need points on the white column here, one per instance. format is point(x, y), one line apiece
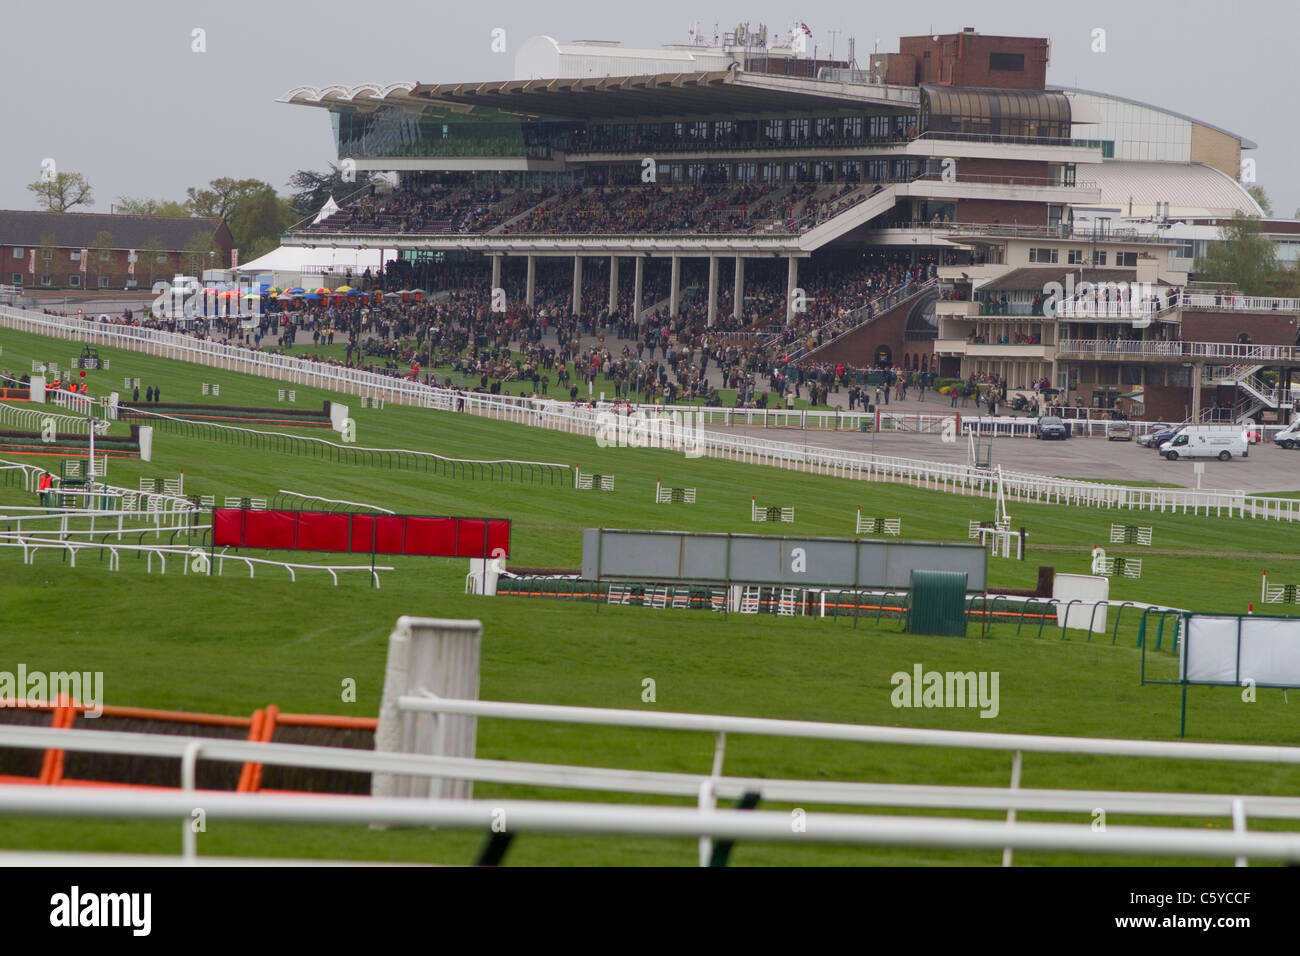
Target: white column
point(638, 275)
point(674, 292)
point(738, 294)
point(530, 292)
point(713, 291)
point(496, 273)
point(791, 283)
point(577, 285)
point(613, 284)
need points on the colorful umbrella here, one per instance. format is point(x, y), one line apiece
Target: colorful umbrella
point(297, 290)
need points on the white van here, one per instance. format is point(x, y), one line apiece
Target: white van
point(1207, 441)
point(1289, 437)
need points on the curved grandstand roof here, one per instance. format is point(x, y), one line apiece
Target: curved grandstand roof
point(667, 94)
point(1245, 143)
point(1191, 189)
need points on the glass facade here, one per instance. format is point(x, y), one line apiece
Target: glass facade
point(1139, 132)
point(392, 132)
point(1019, 113)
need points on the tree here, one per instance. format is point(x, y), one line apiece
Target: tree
point(1257, 193)
point(311, 189)
point(128, 206)
point(223, 195)
point(198, 251)
point(62, 191)
point(257, 222)
point(149, 253)
point(102, 250)
point(45, 257)
point(1241, 256)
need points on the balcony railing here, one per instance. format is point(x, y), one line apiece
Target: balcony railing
point(1039, 181)
point(1155, 348)
point(1065, 142)
point(1017, 231)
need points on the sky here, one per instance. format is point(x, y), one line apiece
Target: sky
point(116, 91)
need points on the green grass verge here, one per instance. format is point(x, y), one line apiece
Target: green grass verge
point(232, 644)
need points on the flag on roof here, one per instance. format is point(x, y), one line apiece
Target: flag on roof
point(804, 27)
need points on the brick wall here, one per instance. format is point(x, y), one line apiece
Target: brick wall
point(1264, 328)
point(1004, 212)
point(963, 59)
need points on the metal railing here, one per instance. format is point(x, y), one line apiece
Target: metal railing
point(544, 413)
point(703, 822)
point(1227, 352)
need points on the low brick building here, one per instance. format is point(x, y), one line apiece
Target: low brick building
point(79, 250)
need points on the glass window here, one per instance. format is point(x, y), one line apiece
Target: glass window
point(18, 252)
point(16, 278)
point(47, 280)
point(74, 281)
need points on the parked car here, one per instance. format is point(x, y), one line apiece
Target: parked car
point(1289, 437)
point(1119, 431)
point(1158, 434)
point(1051, 426)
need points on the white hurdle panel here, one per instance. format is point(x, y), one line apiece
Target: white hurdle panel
point(1109, 566)
point(366, 402)
point(770, 513)
point(667, 496)
point(1130, 534)
point(1278, 593)
point(750, 597)
point(788, 605)
point(592, 482)
point(887, 526)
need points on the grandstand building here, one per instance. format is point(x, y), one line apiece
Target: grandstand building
point(746, 166)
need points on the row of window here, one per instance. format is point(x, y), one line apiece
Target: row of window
point(74, 280)
point(75, 255)
point(876, 170)
point(1079, 257)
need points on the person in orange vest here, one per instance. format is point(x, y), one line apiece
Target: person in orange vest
point(43, 488)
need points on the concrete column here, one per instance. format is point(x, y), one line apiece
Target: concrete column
point(791, 283)
point(738, 293)
point(577, 285)
point(496, 272)
point(531, 288)
point(713, 291)
point(1196, 392)
point(638, 275)
point(675, 289)
point(613, 284)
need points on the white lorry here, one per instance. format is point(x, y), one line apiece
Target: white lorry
point(1223, 442)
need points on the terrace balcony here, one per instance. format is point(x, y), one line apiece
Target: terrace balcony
point(1176, 350)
